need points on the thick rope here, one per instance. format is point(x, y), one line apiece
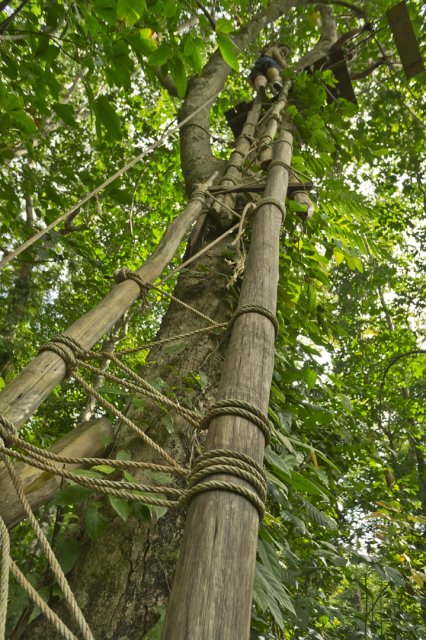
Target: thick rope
point(277, 203)
point(228, 462)
point(256, 308)
point(4, 575)
point(241, 408)
point(107, 405)
point(50, 556)
point(34, 451)
point(40, 603)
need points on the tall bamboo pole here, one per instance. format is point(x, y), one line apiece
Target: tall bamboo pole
point(212, 591)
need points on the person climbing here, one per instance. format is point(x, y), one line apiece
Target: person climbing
point(267, 68)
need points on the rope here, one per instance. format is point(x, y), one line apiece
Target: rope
point(50, 556)
point(254, 308)
point(34, 451)
point(229, 179)
point(233, 463)
point(277, 203)
point(179, 336)
point(40, 603)
point(120, 488)
point(126, 274)
point(4, 574)
point(241, 408)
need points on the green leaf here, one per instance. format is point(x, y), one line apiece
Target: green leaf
point(178, 74)
point(95, 522)
point(107, 117)
point(130, 10)
point(224, 26)
point(175, 347)
point(300, 483)
point(227, 49)
point(67, 552)
point(104, 468)
point(66, 113)
point(120, 506)
point(160, 56)
point(26, 123)
point(72, 494)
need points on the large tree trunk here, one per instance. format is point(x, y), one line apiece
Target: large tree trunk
point(124, 578)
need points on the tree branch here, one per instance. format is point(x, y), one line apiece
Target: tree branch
point(166, 81)
point(197, 159)
point(11, 18)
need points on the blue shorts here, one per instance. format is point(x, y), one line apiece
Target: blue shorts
point(262, 65)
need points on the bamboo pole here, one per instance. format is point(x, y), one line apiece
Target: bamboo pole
point(22, 396)
point(212, 591)
point(86, 440)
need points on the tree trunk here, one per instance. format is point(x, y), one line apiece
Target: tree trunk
point(123, 580)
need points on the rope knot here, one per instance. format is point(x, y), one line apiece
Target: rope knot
point(69, 355)
point(127, 274)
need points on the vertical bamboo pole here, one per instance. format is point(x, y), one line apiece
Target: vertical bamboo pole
point(212, 591)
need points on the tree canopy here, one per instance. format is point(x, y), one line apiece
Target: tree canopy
point(86, 87)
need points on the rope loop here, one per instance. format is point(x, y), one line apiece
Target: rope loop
point(230, 179)
point(247, 136)
point(277, 203)
point(241, 408)
point(233, 463)
point(279, 163)
point(7, 429)
point(255, 308)
point(127, 274)
point(197, 194)
point(69, 356)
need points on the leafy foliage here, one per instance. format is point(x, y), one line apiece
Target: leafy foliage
point(341, 550)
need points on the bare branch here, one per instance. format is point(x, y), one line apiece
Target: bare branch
point(166, 81)
point(207, 14)
point(327, 39)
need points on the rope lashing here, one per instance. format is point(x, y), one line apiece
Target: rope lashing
point(128, 274)
point(280, 163)
point(228, 462)
point(230, 179)
point(70, 355)
point(242, 409)
point(247, 136)
point(277, 203)
point(197, 194)
point(238, 152)
point(256, 308)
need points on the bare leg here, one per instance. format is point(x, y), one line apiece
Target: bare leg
point(274, 78)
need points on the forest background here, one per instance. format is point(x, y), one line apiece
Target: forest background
point(86, 87)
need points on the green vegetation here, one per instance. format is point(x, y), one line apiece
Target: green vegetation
point(83, 89)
